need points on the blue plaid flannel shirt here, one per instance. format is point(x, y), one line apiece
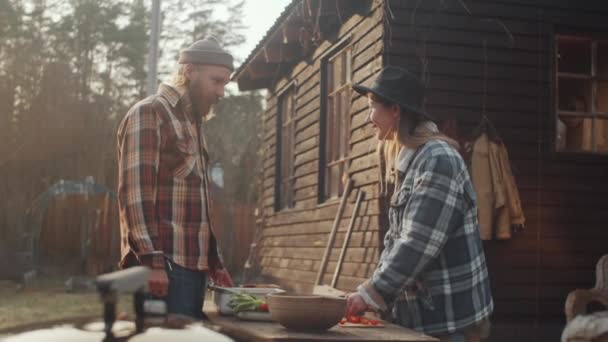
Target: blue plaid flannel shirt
point(432, 272)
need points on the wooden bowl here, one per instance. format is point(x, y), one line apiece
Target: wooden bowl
point(306, 312)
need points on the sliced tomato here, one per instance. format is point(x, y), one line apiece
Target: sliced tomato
point(374, 322)
point(354, 319)
point(364, 321)
point(343, 321)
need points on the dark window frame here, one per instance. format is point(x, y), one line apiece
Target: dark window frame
point(285, 149)
point(592, 76)
point(334, 147)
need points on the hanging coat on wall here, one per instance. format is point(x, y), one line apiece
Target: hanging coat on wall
point(497, 195)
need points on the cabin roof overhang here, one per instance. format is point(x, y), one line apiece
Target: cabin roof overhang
point(302, 26)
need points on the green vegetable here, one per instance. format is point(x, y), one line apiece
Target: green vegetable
point(245, 302)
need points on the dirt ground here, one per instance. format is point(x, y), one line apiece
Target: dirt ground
point(45, 299)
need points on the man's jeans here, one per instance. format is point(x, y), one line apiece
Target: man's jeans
point(186, 293)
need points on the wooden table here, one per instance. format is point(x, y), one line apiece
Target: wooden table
point(273, 332)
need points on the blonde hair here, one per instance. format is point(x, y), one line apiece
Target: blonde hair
point(412, 133)
point(179, 79)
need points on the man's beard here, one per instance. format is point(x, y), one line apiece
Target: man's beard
point(200, 109)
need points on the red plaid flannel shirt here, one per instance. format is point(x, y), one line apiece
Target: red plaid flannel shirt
point(163, 186)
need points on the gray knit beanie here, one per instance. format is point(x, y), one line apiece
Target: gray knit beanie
point(206, 51)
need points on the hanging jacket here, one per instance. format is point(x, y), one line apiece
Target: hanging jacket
point(499, 203)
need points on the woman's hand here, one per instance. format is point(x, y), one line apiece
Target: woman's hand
point(355, 304)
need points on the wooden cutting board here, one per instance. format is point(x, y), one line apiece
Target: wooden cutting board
point(359, 325)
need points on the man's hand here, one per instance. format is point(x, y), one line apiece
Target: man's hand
point(221, 277)
point(158, 282)
point(355, 304)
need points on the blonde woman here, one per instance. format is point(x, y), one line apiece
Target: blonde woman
point(432, 274)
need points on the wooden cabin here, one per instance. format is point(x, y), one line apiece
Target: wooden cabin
point(538, 69)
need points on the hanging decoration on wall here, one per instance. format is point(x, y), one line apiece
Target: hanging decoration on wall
point(500, 212)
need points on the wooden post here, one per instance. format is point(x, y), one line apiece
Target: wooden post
point(349, 232)
point(334, 230)
point(153, 49)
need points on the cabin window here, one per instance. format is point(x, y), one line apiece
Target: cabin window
point(335, 123)
point(582, 94)
point(284, 192)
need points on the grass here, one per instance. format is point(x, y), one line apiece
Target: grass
point(46, 299)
